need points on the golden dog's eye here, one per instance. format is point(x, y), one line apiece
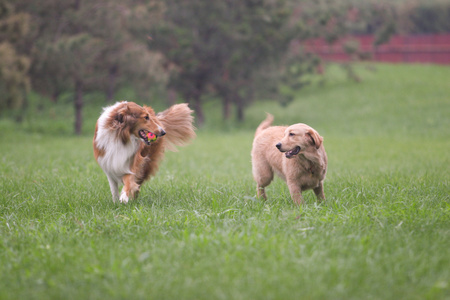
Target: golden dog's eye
point(147, 118)
point(291, 134)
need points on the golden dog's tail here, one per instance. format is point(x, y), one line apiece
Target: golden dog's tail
point(177, 122)
point(264, 124)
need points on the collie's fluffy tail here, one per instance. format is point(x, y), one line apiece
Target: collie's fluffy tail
point(177, 122)
point(264, 124)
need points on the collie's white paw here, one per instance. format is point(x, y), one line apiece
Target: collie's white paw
point(123, 197)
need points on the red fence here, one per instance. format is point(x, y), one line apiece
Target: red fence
point(433, 48)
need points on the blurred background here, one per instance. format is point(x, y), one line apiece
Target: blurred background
point(62, 61)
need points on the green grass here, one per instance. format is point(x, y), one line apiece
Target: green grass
point(198, 232)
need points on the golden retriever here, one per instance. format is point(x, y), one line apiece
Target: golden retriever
point(130, 140)
point(295, 153)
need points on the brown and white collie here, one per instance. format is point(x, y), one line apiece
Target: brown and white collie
point(124, 150)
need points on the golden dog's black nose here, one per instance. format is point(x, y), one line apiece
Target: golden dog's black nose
point(162, 132)
point(278, 145)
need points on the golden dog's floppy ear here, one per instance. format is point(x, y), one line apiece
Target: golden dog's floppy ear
point(315, 137)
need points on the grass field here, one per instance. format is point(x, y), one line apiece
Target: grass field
point(198, 232)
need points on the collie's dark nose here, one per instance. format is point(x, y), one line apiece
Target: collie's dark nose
point(278, 145)
point(162, 132)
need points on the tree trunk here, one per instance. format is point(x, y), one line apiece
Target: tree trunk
point(199, 111)
point(55, 96)
point(226, 107)
point(239, 109)
point(78, 106)
point(242, 102)
point(112, 79)
point(24, 109)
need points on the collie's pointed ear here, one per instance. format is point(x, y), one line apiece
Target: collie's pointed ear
point(121, 114)
point(149, 110)
point(315, 138)
point(120, 117)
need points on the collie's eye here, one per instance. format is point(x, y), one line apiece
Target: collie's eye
point(147, 118)
point(291, 134)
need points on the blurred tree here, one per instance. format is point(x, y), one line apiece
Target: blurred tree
point(123, 26)
point(219, 46)
point(14, 80)
point(333, 20)
point(187, 38)
point(66, 52)
point(258, 36)
point(53, 45)
point(78, 55)
point(424, 17)
point(83, 46)
point(241, 49)
point(236, 50)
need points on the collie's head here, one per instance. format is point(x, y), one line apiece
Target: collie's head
point(129, 119)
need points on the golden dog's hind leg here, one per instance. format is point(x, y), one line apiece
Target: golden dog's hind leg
point(263, 176)
point(130, 189)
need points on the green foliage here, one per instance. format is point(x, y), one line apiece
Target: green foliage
point(379, 17)
point(219, 46)
point(14, 81)
point(198, 232)
point(87, 41)
point(84, 46)
point(425, 17)
point(14, 66)
point(236, 51)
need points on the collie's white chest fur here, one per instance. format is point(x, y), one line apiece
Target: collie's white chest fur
point(118, 156)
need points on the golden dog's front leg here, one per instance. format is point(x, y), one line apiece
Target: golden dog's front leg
point(319, 192)
point(130, 189)
point(296, 192)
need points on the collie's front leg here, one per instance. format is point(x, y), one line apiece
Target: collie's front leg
point(130, 189)
point(114, 186)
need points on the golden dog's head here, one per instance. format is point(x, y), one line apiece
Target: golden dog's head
point(132, 119)
point(298, 138)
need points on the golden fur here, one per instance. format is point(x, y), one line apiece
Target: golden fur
point(122, 152)
point(300, 160)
